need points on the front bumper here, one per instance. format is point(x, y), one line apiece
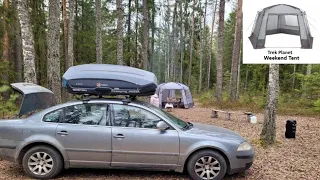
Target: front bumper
point(241, 162)
point(7, 154)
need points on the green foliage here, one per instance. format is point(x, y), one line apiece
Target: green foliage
point(317, 105)
point(7, 106)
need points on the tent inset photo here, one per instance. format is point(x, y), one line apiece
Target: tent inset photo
point(281, 18)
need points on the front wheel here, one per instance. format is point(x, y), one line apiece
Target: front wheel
point(207, 165)
point(42, 162)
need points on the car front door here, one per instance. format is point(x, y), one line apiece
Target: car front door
point(136, 142)
point(86, 135)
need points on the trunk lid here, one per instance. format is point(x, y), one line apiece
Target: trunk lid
point(35, 97)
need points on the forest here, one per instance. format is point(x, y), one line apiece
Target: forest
point(190, 41)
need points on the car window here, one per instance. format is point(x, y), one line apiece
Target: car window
point(180, 123)
point(129, 116)
point(90, 114)
point(54, 116)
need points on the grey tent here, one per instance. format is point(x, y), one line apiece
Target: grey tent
point(281, 18)
point(170, 89)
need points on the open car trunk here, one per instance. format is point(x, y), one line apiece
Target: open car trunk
point(35, 97)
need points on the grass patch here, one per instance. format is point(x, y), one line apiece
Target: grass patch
point(287, 104)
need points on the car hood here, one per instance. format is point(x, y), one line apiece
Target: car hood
point(214, 131)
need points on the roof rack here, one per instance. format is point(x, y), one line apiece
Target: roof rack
point(126, 100)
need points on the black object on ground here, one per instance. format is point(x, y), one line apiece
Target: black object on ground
point(291, 129)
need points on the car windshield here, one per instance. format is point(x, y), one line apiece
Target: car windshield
point(180, 123)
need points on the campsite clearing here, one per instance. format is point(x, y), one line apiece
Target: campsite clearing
point(288, 159)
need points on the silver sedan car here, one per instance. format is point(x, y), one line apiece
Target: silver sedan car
point(113, 133)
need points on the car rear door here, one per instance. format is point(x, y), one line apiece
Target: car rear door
point(137, 143)
point(86, 135)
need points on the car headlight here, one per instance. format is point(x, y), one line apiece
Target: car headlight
point(245, 146)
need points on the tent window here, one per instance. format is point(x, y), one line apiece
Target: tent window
point(291, 20)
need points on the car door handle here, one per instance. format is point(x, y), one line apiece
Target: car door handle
point(121, 136)
point(63, 133)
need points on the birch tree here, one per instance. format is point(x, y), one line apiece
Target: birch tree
point(268, 133)
point(309, 69)
point(191, 44)
point(54, 81)
point(29, 69)
point(236, 54)
point(120, 32)
point(181, 42)
point(202, 49)
point(145, 36)
point(98, 32)
point(220, 50)
point(211, 43)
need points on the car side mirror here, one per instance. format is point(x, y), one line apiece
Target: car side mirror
point(162, 126)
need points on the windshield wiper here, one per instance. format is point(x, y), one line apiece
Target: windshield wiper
point(188, 126)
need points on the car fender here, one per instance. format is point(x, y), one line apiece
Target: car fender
point(202, 145)
point(41, 139)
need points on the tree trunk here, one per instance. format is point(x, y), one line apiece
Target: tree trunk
point(169, 42)
point(309, 69)
point(238, 80)
point(65, 33)
point(247, 76)
point(294, 76)
point(220, 50)
point(120, 33)
point(153, 29)
point(5, 55)
point(54, 82)
point(27, 43)
point(211, 44)
point(202, 49)
point(268, 133)
point(137, 32)
point(145, 36)
point(173, 42)
point(17, 44)
point(70, 33)
point(191, 45)
point(98, 32)
point(236, 53)
point(128, 62)
point(181, 43)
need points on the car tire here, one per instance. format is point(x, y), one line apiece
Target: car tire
point(207, 161)
point(42, 162)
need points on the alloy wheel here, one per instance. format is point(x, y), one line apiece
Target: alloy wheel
point(40, 163)
point(207, 167)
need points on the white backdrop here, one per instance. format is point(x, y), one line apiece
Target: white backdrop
point(283, 42)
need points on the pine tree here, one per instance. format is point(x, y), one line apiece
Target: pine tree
point(54, 80)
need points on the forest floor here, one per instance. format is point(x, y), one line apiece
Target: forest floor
point(288, 159)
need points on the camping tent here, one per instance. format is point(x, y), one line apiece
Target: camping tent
point(281, 18)
point(168, 90)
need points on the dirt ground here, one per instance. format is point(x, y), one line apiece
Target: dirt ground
point(289, 159)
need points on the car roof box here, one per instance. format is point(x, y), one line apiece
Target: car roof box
point(107, 79)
